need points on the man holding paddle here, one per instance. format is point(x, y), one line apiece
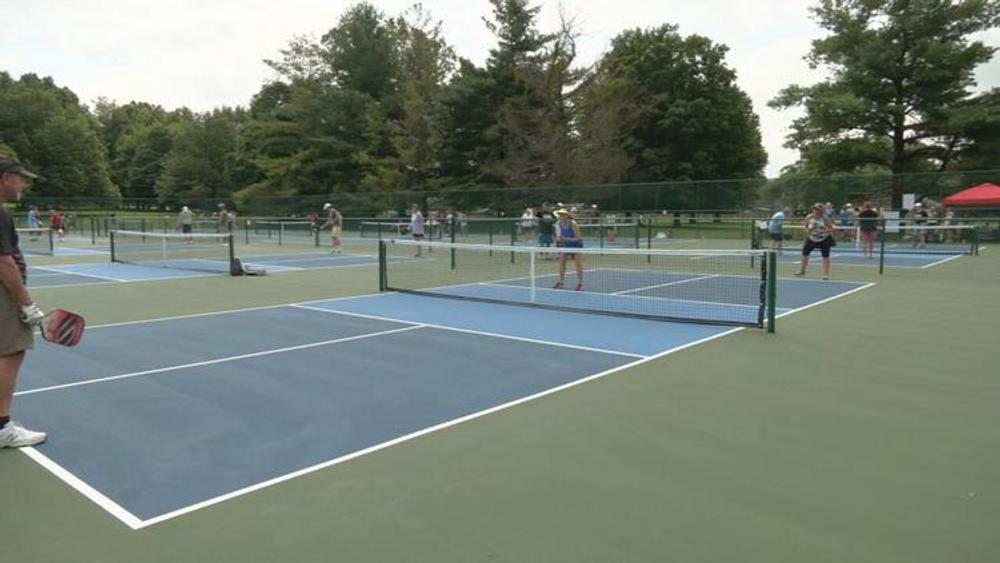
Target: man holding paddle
point(18, 313)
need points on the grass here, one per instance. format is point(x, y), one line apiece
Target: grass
point(864, 430)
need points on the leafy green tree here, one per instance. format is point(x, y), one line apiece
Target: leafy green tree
point(124, 129)
point(200, 162)
point(494, 115)
point(53, 134)
point(683, 115)
point(900, 70)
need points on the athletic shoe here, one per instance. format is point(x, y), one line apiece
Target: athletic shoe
point(14, 436)
point(799, 274)
point(558, 285)
point(579, 287)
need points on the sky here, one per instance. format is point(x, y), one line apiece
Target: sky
point(203, 54)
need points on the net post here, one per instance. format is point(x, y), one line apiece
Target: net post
point(232, 248)
point(381, 265)
point(246, 231)
point(772, 289)
point(315, 233)
point(281, 233)
point(975, 240)
point(531, 273)
point(451, 237)
point(881, 248)
point(111, 235)
point(513, 239)
point(93, 230)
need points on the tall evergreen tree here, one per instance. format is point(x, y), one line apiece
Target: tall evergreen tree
point(900, 69)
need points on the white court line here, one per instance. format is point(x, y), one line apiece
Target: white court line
point(948, 259)
point(38, 287)
point(471, 331)
point(86, 490)
point(314, 258)
point(232, 311)
point(678, 282)
point(584, 292)
point(70, 272)
point(827, 300)
point(215, 361)
point(418, 433)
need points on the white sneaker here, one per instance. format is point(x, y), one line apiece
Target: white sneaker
point(14, 436)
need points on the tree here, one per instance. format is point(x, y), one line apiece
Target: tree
point(123, 130)
point(900, 70)
point(200, 163)
point(424, 61)
point(498, 128)
point(54, 136)
point(682, 115)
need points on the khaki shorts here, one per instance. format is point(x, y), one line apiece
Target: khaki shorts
point(15, 336)
point(335, 231)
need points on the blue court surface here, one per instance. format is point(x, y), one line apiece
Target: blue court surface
point(155, 419)
point(89, 274)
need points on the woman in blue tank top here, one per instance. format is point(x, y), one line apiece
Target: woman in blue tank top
point(568, 236)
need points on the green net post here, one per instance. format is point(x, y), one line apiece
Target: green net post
point(513, 239)
point(93, 230)
point(772, 289)
point(637, 234)
point(142, 224)
point(381, 265)
point(881, 248)
point(281, 234)
point(975, 241)
point(111, 236)
point(452, 251)
point(232, 247)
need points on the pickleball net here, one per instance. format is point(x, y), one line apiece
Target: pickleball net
point(724, 287)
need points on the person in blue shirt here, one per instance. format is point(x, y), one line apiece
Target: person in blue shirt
point(568, 236)
point(775, 228)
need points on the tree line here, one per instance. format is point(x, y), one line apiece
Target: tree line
point(383, 103)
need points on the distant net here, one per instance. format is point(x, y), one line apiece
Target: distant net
point(911, 239)
point(886, 237)
point(433, 230)
point(733, 287)
point(284, 232)
point(35, 241)
point(595, 234)
point(202, 252)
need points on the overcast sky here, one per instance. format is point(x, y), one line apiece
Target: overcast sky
point(203, 53)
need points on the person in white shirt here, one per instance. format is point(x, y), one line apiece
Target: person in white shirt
point(417, 225)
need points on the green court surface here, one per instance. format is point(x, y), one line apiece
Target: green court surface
point(867, 429)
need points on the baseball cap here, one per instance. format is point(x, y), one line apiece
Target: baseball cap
point(327, 206)
point(11, 166)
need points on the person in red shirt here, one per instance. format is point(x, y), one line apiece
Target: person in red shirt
point(57, 224)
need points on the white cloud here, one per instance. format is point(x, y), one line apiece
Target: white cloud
point(206, 54)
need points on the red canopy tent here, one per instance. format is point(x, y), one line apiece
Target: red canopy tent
point(984, 195)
